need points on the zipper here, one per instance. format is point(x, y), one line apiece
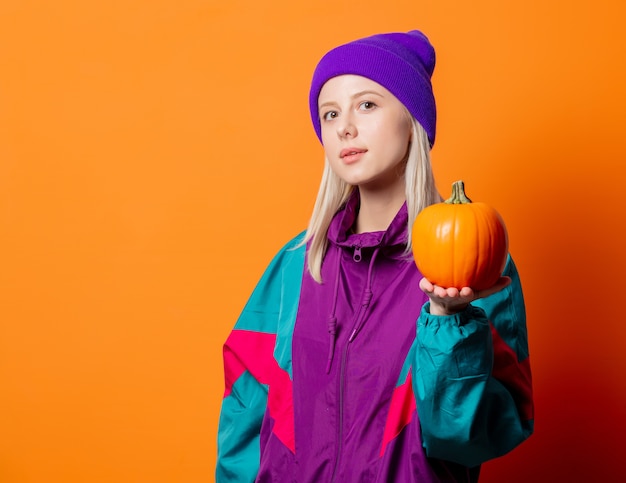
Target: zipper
point(342, 371)
point(358, 319)
point(344, 358)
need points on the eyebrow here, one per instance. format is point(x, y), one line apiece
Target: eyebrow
point(354, 96)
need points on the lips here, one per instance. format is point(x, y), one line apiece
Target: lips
point(350, 155)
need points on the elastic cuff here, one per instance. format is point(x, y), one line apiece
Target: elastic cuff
point(470, 313)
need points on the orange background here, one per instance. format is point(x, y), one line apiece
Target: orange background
point(155, 154)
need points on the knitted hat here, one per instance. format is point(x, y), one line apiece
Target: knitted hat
point(403, 63)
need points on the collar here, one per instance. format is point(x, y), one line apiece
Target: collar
point(340, 234)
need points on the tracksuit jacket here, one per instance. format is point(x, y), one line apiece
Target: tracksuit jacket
point(353, 380)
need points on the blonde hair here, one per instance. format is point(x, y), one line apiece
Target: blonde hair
point(333, 193)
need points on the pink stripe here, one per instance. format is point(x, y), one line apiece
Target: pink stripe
point(254, 351)
point(513, 374)
point(401, 412)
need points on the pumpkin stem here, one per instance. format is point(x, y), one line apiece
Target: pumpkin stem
point(458, 194)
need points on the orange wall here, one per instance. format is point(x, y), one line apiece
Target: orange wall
point(155, 154)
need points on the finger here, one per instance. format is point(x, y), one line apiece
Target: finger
point(426, 286)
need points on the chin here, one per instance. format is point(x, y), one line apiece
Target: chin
point(354, 179)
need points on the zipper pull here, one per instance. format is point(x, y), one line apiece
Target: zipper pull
point(357, 253)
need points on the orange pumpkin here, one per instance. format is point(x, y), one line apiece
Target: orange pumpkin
point(459, 244)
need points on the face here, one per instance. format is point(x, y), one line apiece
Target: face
point(365, 132)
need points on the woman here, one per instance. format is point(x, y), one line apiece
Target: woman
point(346, 364)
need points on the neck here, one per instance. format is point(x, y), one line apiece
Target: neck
point(378, 209)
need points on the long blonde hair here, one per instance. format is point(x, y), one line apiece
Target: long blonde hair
point(333, 192)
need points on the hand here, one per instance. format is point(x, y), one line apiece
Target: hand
point(448, 301)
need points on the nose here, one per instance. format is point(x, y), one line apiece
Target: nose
point(346, 127)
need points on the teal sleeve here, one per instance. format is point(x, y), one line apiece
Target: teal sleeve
point(239, 431)
point(467, 414)
point(258, 348)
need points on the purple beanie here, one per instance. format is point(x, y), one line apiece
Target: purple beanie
point(403, 63)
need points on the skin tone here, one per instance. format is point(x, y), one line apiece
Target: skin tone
point(366, 133)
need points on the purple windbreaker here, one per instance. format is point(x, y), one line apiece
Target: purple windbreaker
point(360, 359)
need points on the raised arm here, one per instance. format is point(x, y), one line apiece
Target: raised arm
point(473, 384)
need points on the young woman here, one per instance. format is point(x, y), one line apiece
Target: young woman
point(346, 364)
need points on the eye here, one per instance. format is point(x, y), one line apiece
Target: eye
point(327, 116)
point(367, 105)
